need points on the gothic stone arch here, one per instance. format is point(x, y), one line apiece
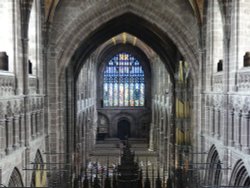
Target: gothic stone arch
point(15, 179)
point(214, 173)
point(240, 175)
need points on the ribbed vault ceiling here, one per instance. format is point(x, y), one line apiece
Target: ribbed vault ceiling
point(126, 38)
point(50, 8)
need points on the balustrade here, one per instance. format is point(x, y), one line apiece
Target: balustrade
point(7, 84)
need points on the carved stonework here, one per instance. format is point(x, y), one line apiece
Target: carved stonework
point(38, 103)
point(21, 107)
point(231, 103)
point(221, 100)
point(212, 101)
point(217, 102)
point(1, 111)
point(42, 103)
point(218, 82)
point(246, 106)
point(9, 109)
point(7, 83)
point(238, 103)
point(33, 105)
point(16, 108)
point(30, 105)
point(207, 100)
point(244, 80)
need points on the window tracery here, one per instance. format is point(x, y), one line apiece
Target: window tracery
point(124, 83)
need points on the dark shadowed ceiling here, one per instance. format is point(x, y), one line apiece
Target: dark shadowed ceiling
point(50, 7)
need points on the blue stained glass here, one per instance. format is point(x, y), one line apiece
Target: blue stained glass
point(123, 81)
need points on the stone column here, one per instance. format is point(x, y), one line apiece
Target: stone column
point(245, 136)
point(33, 125)
point(231, 133)
point(9, 134)
point(16, 132)
point(239, 139)
point(21, 130)
point(161, 145)
point(211, 121)
point(151, 132)
point(153, 112)
point(151, 137)
point(237, 130)
point(207, 122)
point(218, 117)
point(2, 137)
point(37, 123)
point(42, 122)
point(216, 123)
point(27, 127)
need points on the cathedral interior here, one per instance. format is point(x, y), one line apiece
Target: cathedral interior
point(125, 93)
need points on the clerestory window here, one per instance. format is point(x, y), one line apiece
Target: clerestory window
point(124, 84)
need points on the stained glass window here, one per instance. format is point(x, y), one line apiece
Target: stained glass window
point(123, 81)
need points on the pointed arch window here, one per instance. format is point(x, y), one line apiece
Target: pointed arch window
point(124, 84)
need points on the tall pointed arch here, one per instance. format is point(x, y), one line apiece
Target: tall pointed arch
point(15, 179)
point(240, 175)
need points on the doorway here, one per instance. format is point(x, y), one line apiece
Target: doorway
point(123, 129)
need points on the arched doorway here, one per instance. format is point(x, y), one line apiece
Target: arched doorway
point(123, 129)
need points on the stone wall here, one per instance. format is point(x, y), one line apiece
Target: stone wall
point(161, 124)
point(86, 119)
point(22, 99)
point(226, 97)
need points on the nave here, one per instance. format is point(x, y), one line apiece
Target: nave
point(160, 88)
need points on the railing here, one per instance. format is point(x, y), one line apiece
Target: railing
point(7, 83)
point(218, 81)
point(32, 84)
point(243, 82)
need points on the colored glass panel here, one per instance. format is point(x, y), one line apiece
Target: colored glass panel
point(123, 81)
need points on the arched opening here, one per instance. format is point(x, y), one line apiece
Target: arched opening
point(39, 175)
point(160, 60)
point(240, 175)
point(214, 172)
point(123, 129)
point(15, 179)
point(83, 59)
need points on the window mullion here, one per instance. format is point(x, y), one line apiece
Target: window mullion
point(124, 82)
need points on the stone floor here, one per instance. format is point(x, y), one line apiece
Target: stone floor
point(112, 150)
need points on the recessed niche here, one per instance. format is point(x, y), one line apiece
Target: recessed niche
point(4, 61)
point(220, 65)
point(247, 59)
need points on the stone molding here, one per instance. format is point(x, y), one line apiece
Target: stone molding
point(243, 82)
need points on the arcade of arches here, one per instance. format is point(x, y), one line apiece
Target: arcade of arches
point(87, 86)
